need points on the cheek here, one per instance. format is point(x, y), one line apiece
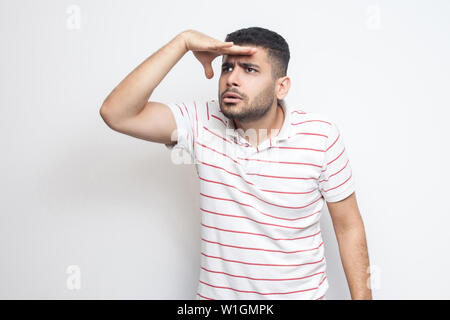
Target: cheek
point(221, 87)
point(222, 82)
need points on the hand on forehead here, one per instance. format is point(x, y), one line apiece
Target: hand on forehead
point(258, 58)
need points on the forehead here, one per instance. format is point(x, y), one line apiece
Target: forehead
point(259, 58)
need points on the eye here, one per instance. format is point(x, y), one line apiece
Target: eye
point(225, 69)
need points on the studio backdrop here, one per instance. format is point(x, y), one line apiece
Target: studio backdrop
point(89, 213)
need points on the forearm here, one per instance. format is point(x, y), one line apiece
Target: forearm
point(355, 260)
point(130, 96)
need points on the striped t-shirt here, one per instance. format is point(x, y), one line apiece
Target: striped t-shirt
point(260, 206)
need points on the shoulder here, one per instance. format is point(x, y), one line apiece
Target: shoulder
point(319, 127)
point(302, 119)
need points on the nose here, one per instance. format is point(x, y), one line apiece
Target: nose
point(233, 78)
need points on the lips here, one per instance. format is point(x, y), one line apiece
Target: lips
point(231, 98)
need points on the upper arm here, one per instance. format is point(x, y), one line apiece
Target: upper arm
point(154, 123)
point(345, 213)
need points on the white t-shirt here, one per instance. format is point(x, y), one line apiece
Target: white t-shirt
point(260, 206)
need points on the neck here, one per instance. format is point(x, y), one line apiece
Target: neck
point(256, 132)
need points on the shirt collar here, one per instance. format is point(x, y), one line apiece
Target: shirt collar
point(283, 134)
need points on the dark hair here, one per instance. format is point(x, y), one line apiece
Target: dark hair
point(277, 47)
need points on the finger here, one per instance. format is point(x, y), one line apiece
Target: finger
point(239, 50)
point(209, 73)
point(221, 45)
point(242, 48)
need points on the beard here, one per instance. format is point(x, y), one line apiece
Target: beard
point(246, 111)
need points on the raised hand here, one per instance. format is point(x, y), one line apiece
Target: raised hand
point(206, 49)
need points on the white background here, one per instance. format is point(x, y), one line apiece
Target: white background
point(75, 192)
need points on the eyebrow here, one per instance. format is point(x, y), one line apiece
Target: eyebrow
point(242, 64)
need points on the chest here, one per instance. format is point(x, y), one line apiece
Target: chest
point(289, 166)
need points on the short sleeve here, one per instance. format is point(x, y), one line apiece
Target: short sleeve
point(336, 181)
point(184, 114)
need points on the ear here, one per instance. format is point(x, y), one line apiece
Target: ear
point(282, 87)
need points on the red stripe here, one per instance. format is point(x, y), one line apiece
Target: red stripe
point(266, 214)
point(218, 167)
point(297, 111)
point(294, 124)
point(180, 110)
point(334, 142)
point(260, 234)
point(250, 183)
point(335, 173)
point(263, 264)
point(258, 292)
point(242, 145)
point(314, 134)
point(298, 148)
point(288, 192)
point(283, 162)
point(214, 116)
point(217, 135)
point(279, 177)
point(186, 110)
point(204, 297)
point(260, 249)
point(250, 194)
point(225, 155)
point(336, 157)
point(207, 109)
point(269, 224)
point(250, 278)
point(338, 185)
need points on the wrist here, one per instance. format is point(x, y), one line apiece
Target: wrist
point(181, 41)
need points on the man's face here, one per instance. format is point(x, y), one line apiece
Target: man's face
point(250, 77)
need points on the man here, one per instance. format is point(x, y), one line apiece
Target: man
point(265, 168)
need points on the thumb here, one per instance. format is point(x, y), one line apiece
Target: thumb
point(209, 73)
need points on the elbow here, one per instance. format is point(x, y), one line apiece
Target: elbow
point(103, 111)
point(105, 114)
